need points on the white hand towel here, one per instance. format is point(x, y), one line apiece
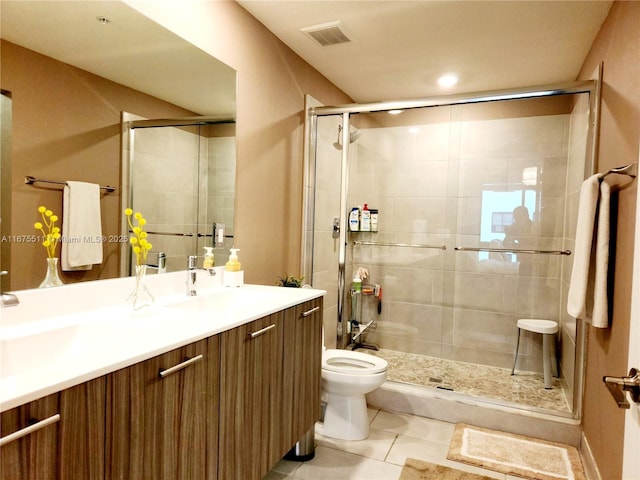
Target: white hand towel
point(587, 298)
point(81, 226)
point(600, 314)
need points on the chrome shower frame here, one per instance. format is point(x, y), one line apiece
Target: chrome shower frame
point(592, 87)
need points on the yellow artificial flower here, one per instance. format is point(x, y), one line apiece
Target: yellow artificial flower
point(51, 235)
point(140, 246)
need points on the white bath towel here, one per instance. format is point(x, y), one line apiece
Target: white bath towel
point(81, 226)
point(587, 298)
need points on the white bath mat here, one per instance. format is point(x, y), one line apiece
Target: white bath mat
point(517, 455)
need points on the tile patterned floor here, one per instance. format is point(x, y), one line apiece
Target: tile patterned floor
point(392, 439)
point(524, 388)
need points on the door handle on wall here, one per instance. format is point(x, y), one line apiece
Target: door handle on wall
point(619, 385)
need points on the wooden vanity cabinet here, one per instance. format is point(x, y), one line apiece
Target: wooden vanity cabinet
point(269, 389)
point(33, 456)
point(223, 408)
point(250, 398)
point(302, 363)
point(70, 447)
point(162, 416)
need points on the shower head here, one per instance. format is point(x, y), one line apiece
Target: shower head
point(353, 136)
point(337, 145)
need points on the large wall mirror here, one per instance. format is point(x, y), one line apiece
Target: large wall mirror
point(69, 71)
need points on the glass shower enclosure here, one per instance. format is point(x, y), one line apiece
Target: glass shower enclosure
point(476, 199)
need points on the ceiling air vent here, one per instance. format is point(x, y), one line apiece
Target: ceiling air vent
point(327, 34)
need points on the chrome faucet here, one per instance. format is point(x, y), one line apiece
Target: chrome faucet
point(7, 299)
point(192, 271)
point(161, 263)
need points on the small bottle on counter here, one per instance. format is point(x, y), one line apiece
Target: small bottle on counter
point(233, 274)
point(209, 259)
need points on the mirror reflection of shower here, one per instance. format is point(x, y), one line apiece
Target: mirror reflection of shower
point(353, 136)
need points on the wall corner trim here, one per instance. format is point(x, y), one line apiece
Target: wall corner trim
point(588, 461)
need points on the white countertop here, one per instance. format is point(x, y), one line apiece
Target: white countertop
point(60, 337)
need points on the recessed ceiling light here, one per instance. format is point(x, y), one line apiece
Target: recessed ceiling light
point(448, 80)
point(394, 112)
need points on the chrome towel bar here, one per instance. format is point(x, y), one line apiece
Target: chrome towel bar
point(512, 250)
point(410, 245)
point(29, 180)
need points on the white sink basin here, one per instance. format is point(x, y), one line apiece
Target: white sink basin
point(23, 350)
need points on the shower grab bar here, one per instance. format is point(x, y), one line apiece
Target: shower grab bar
point(512, 250)
point(410, 245)
point(29, 180)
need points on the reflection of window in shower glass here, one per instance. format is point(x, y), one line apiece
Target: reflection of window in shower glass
point(497, 213)
point(499, 220)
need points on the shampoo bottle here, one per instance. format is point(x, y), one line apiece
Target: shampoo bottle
point(356, 284)
point(354, 219)
point(365, 219)
point(209, 260)
point(374, 219)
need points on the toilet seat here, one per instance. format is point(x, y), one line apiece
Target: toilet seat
point(353, 363)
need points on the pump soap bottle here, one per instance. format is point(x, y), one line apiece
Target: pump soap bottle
point(233, 275)
point(209, 259)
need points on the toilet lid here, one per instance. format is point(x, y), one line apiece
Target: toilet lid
point(354, 363)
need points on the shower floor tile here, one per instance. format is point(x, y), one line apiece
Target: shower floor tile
point(523, 388)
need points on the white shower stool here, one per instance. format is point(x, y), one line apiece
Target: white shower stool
point(548, 329)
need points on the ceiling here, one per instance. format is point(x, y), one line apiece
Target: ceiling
point(126, 49)
point(399, 49)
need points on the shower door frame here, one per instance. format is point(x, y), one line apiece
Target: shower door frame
point(591, 87)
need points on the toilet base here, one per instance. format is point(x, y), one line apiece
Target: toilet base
point(345, 417)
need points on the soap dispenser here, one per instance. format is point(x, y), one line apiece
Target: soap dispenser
point(233, 275)
point(233, 265)
point(209, 259)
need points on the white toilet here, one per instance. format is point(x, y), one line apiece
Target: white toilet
point(346, 378)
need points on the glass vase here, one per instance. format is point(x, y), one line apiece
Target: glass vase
point(140, 297)
point(52, 279)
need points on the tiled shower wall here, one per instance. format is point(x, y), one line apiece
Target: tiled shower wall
point(428, 187)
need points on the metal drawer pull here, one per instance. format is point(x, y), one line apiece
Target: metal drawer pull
point(29, 430)
point(180, 366)
point(262, 331)
point(309, 312)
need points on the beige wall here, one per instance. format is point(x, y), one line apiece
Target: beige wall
point(618, 46)
point(272, 82)
point(66, 126)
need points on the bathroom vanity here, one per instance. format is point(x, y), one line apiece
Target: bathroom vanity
point(218, 386)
